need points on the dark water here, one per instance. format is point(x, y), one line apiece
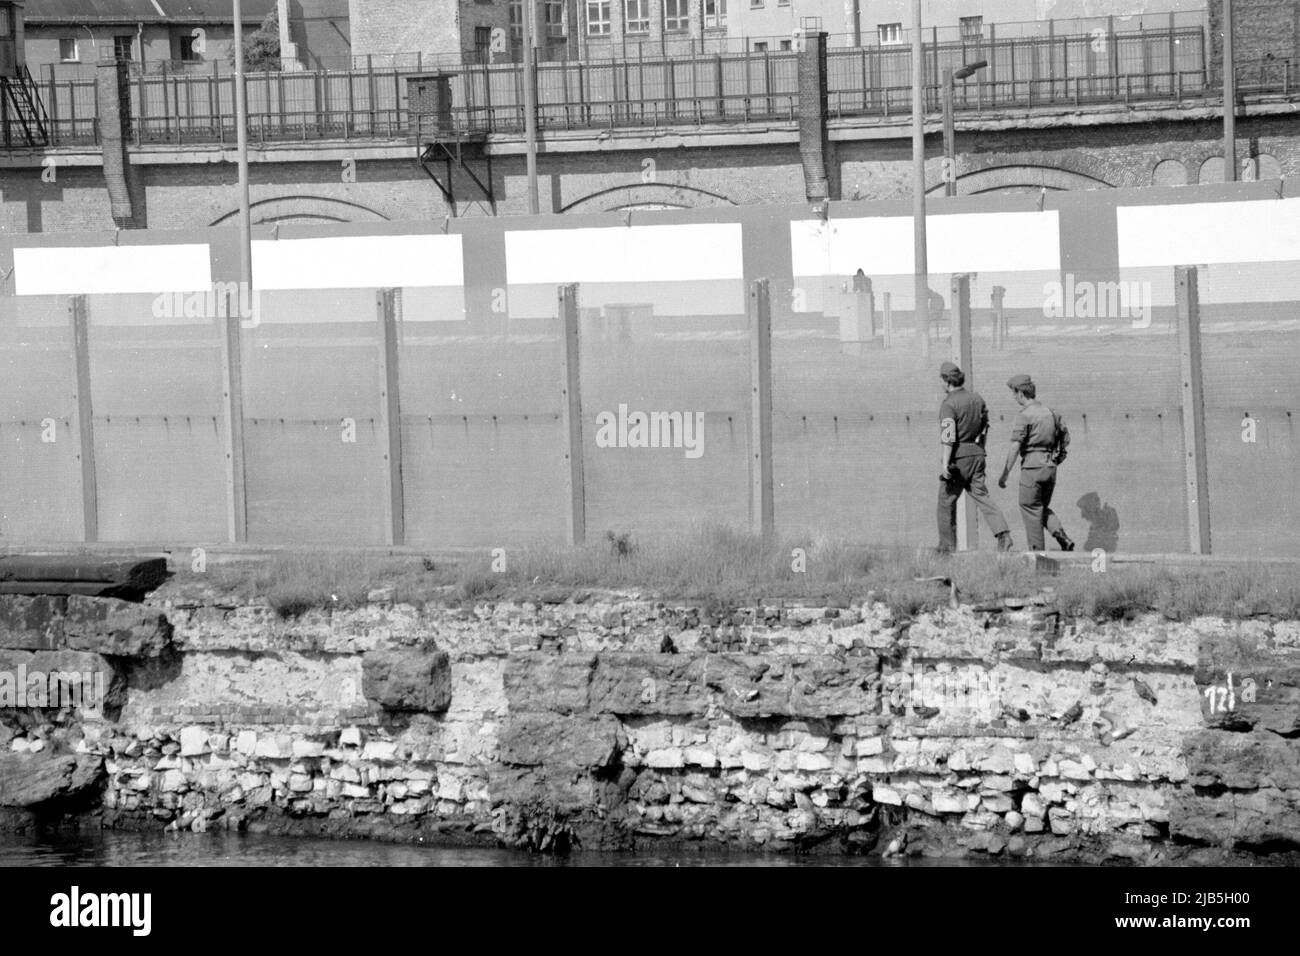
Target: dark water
point(227, 849)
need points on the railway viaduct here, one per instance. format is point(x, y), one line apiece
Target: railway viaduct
point(1060, 141)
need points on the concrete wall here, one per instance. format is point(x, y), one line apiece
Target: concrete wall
point(852, 430)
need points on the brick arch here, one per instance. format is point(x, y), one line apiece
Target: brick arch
point(304, 209)
point(1021, 178)
point(647, 195)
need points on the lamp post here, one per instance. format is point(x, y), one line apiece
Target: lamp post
point(949, 124)
point(241, 148)
point(1229, 99)
point(529, 15)
point(920, 267)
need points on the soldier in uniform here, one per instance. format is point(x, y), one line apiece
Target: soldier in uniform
point(1035, 439)
point(963, 425)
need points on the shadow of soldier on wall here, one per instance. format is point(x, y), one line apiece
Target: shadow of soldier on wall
point(1103, 523)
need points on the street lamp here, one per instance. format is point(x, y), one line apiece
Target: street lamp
point(920, 265)
point(949, 126)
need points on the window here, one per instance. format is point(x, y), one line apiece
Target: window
point(483, 44)
point(516, 21)
point(122, 46)
point(636, 16)
point(783, 3)
point(760, 46)
point(755, 4)
point(553, 13)
point(6, 22)
point(715, 13)
point(890, 32)
point(677, 16)
point(185, 51)
point(68, 51)
point(972, 28)
point(785, 44)
point(597, 18)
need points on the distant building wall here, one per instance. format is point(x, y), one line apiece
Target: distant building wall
point(321, 29)
point(1262, 29)
point(400, 26)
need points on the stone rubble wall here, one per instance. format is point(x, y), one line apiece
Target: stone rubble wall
point(623, 721)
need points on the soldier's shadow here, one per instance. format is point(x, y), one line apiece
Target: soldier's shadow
point(1103, 523)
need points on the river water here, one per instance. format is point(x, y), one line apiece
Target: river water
point(227, 849)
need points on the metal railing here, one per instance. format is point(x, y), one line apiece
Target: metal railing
point(199, 108)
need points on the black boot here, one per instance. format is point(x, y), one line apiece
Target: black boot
point(1005, 543)
point(1064, 541)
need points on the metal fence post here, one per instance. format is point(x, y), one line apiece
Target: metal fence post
point(85, 423)
point(1187, 299)
point(232, 408)
point(761, 510)
point(388, 305)
point(568, 295)
point(967, 530)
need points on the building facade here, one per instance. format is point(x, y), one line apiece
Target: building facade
point(463, 30)
point(176, 34)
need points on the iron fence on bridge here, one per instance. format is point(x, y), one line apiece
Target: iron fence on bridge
point(1023, 72)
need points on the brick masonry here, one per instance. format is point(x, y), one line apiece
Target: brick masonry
point(201, 193)
point(1262, 29)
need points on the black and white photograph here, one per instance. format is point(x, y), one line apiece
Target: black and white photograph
point(666, 436)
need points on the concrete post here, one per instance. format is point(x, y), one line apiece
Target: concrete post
point(1187, 300)
point(999, 316)
point(85, 423)
point(387, 305)
point(577, 531)
point(760, 420)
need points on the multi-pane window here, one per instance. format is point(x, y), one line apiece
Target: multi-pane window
point(760, 46)
point(68, 51)
point(636, 16)
point(715, 13)
point(6, 22)
point(972, 28)
point(122, 46)
point(785, 44)
point(597, 18)
point(517, 21)
point(677, 16)
point(890, 32)
point(554, 14)
point(755, 4)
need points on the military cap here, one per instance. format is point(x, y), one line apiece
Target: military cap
point(1019, 381)
point(948, 368)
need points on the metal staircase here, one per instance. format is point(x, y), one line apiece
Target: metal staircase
point(23, 118)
